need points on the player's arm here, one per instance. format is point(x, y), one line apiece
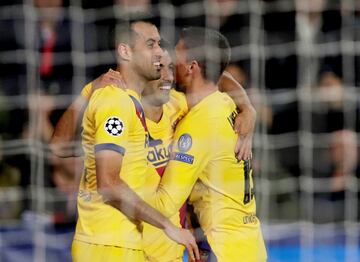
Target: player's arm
point(245, 121)
point(191, 153)
point(119, 195)
point(63, 141)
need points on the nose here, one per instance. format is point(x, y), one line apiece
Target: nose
point(167, 75)
point(158, 51)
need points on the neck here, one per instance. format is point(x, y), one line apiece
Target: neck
point(152, 112)
point(132, 79)
point(198, 90)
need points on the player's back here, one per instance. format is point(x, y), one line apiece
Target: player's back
point(223, 196)
point(111, 122)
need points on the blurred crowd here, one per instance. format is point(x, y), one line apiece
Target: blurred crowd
point(296, 59)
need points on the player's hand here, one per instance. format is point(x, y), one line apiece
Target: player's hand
point(111, 77)
point(184, 237)
point(244, 126)
point(243, 148)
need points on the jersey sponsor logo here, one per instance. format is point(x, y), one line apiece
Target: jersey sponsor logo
point(184, 143)
point(183, 158)
point(158, 155)
point(114, 126)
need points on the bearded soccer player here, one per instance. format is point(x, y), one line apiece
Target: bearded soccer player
point(164, 107)
point(114, 140)
point(202, 163)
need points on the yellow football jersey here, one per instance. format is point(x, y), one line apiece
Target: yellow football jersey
point(203, 163)
point(86, 91)
point(157, 246)
point(113, 120)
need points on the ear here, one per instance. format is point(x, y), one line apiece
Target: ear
point(124, 51)
point(193, 67)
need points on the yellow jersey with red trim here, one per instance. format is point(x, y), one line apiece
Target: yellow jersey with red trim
point(203, 165)
point(113, 120)
point(157, 246)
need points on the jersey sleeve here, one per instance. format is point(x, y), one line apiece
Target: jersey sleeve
point(112, 114)
point(86, 91)
point(190, 155)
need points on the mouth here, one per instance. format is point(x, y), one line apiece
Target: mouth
point(157, 65)
point(165, 87)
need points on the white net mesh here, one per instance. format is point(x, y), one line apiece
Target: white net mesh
point(299, 61)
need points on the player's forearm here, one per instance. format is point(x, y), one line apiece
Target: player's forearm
point(235, 90)
point(63, 142)
point(247, 112)
point(247, 116)
point(128, 202)
point(168, 204)
point(118, 194)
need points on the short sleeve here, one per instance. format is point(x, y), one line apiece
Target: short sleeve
point(86, 91)
point(113, 112)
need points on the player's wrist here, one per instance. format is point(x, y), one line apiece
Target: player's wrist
point(167, 225)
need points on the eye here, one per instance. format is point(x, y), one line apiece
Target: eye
point(150, 44)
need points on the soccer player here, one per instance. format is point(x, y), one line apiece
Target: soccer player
point(163, 107)
point(114, 140)
point(203, 164)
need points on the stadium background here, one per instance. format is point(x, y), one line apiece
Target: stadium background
point(298, 60)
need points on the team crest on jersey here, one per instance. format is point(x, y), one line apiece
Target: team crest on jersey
point(114, 126)
point(184, 143)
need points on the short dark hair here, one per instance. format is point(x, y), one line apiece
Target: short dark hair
point(123, 31)
point(209, 48)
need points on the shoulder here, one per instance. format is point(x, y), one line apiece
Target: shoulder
point(109, 96)
point(177, 101)
point(178, 96)
point(209, 114)
point(219, 105)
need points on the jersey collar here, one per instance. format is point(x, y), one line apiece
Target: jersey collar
point(133, 93)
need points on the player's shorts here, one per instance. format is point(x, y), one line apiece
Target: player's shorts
point(246, 245)
point(82, 251)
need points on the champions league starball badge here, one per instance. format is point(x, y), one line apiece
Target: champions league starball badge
point(114, 126)
point(184, 143)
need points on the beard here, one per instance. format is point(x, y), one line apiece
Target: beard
point(150, 75)
point(148, 72)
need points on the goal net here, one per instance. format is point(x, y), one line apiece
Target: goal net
point(298, 61)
